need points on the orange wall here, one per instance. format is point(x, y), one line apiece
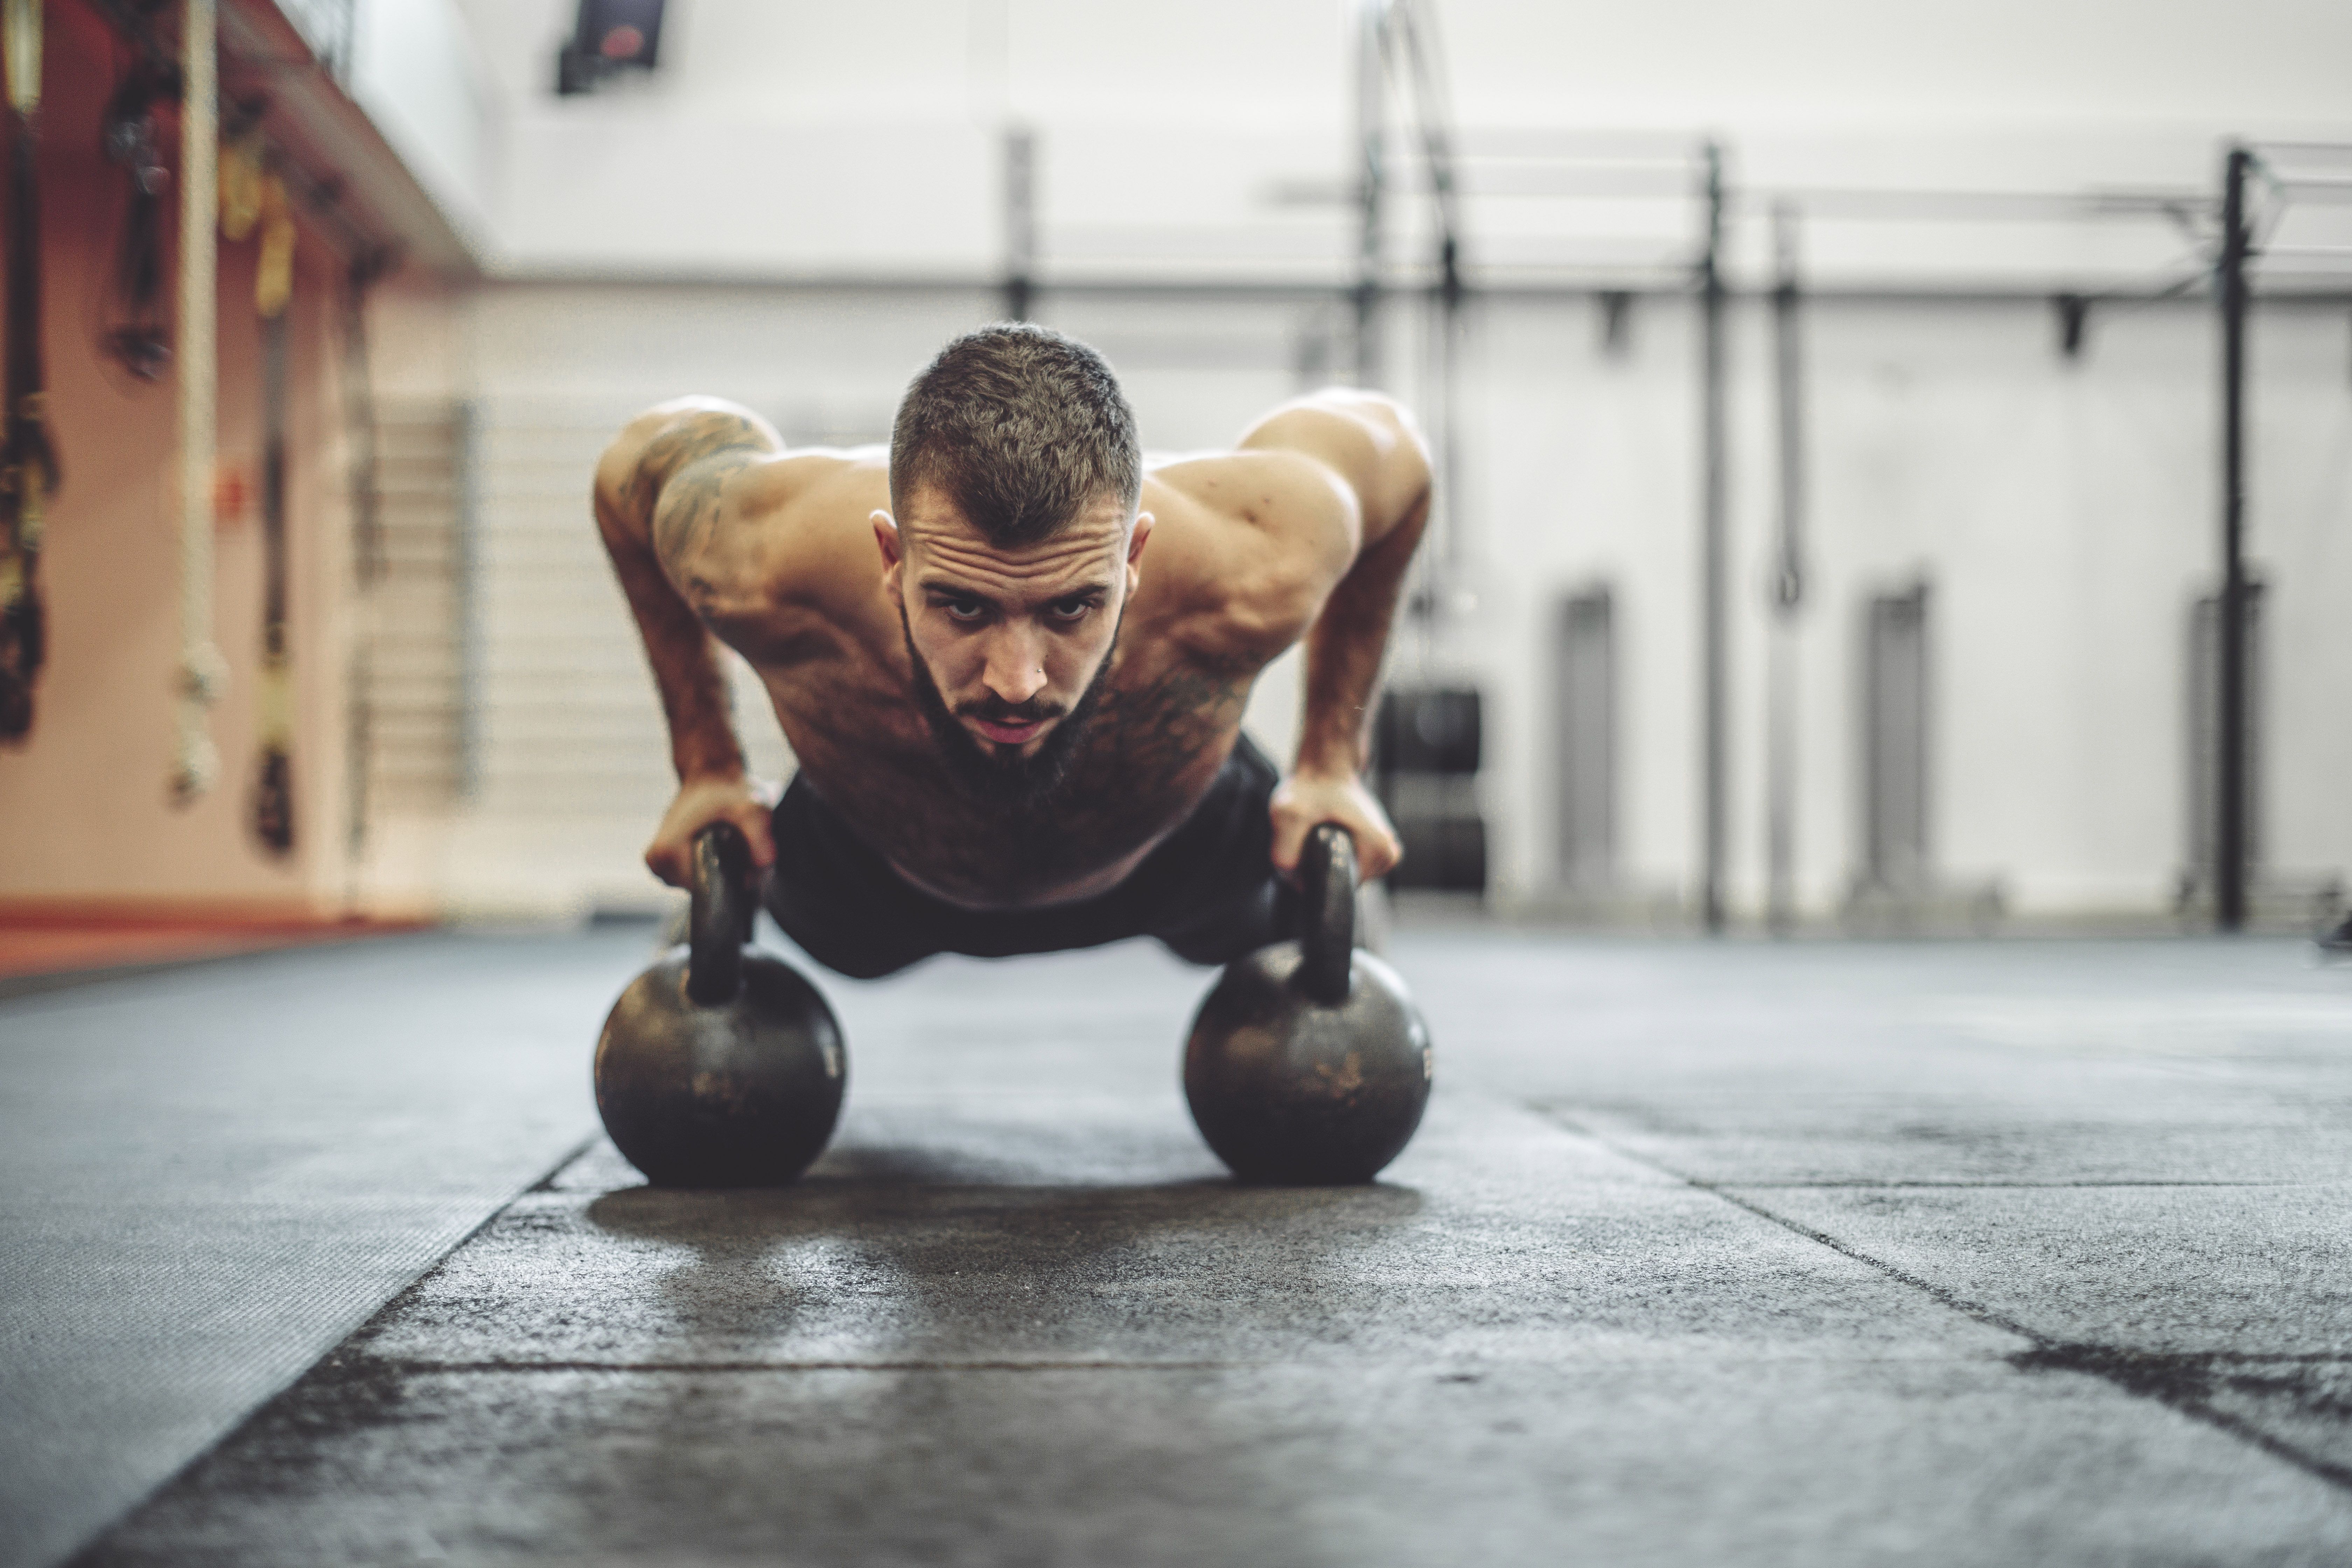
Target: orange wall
point(85, 811)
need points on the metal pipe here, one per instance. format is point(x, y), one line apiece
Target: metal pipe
point(1712, 520)
point(1788, 581)
point(2230, 792)
point(1371, 30)
point(1020, 221)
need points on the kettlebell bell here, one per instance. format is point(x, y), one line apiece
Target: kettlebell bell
point(1308, 1063)
point(720, 1067)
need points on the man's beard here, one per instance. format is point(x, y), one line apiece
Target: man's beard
point(1002, 776)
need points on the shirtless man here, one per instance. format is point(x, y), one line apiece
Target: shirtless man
point(1012, 662)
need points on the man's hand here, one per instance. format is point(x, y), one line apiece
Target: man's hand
point(1307, 800)
point(726, 797)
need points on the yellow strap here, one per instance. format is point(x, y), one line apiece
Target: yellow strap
point(274, 692)
point(273, 279)
point(21, 23)
point(241, 186)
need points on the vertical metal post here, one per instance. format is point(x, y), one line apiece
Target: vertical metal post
point(466, 420)
point(1788, 581)
point(1445, 385)
point(1371, 43)
point(1712, 604)
point(1020, 221)
point(2230, 789)
point(367, 564)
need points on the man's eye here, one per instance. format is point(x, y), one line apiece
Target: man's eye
point(964, 609)
point(1073, 609)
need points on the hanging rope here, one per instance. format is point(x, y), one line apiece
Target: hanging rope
point(203, 672)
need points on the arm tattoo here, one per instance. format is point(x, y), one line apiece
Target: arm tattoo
point(681, 474)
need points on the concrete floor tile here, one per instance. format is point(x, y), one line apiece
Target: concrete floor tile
point(2160, 1270)
point(2230, 1302)
point(1511, 1239)
point(208, 1177)
point(1321, 1467)
point(2042, 1132)
point(1017, 1314)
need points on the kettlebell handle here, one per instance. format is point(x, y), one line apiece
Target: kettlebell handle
point(720, 919)
point(1326, 913)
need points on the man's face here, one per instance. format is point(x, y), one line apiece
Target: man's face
point(1009, 646)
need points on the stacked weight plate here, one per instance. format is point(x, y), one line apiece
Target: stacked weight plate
point(1426, 748)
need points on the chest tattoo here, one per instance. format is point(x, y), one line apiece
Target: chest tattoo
point(1150, 751)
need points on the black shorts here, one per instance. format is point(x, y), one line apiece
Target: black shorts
point(1208, 890)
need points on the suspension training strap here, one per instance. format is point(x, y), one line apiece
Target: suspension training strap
point(29, 470)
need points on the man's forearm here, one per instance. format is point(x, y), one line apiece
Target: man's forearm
point(650, 533)
point(1344, 646)
point(684, 657)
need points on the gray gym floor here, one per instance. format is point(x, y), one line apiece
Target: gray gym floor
point(1969, 1253)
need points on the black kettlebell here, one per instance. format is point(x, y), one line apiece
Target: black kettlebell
point(718, 1066)
point(1308, 1063)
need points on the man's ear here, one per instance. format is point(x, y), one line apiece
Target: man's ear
point(894, 556)
point(1136, 539)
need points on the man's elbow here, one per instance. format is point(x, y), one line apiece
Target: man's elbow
point(1402, 473)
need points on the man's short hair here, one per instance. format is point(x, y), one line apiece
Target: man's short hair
point(1022, 427)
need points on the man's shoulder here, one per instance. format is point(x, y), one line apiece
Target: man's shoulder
point(786, 533)
point(812, 484)
point(1246, 545)
point(1276, 490)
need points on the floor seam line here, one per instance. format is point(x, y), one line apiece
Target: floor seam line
point(2008, 1186)
point(546, 1183)
point(2196, 1409)
point(410, 1368)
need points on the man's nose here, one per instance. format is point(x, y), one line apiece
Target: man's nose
point(1016, 665)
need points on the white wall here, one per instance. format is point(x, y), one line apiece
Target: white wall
point(415, 70)
point(2066, 513)
point(2064, 510)
point(786, 137)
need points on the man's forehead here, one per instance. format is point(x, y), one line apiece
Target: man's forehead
point(936, 527)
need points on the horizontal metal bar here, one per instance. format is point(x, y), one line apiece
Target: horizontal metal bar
point(1584, 146)
point(1654, 183)
point(1832, 202)
point(2312, 193)
point(984, 291)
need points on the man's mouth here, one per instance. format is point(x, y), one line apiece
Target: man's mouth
point(1013, 732)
